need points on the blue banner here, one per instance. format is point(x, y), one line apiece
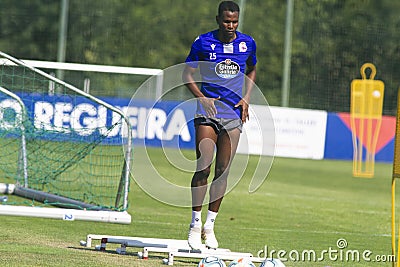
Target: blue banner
point(78, 119)
point(158, 124)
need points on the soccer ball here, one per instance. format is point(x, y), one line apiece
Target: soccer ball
point(272, 263)
point(242, 262)
point(211, 261)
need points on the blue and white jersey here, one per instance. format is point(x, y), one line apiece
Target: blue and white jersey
point(222, 68)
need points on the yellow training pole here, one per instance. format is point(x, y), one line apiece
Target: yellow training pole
point(393, 219)
point(396, 174)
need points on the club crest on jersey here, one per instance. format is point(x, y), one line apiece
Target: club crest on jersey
point(227, 69)
point(242, 47)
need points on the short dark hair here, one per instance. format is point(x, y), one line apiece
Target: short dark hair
point(227, 6)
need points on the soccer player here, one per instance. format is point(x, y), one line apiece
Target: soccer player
point(222, 108)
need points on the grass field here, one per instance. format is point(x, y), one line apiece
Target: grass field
point(303, 205)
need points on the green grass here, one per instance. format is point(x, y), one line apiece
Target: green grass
point(303, 205)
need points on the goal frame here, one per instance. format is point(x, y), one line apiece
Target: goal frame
point(96, 215)
point(23, 157)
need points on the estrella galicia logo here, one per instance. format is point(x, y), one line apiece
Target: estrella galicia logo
point(227, 69)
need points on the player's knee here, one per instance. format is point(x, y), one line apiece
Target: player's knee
point(203, 173)
point(221, 172)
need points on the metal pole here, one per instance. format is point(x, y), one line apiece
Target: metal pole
point(21, 122)
point(287, 54)
point(62, 36)
point(242, 7)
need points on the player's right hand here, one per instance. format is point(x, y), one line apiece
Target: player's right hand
point(209, 106)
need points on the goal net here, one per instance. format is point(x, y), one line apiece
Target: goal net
point(61, 147)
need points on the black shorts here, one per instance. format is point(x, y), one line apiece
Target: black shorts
point(219, 124)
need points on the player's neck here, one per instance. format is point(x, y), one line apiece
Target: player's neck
point(226, 38)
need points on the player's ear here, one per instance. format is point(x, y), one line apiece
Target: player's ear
point(217, 19)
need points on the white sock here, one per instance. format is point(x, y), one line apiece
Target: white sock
point(209, 224)
point(196, 219)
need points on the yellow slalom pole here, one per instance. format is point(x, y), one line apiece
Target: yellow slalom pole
point(395, 175)
point(393, 217)
point(394, 220)
point(398, 249)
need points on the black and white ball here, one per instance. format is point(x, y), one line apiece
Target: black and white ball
point(272, 263)
point(211, 261)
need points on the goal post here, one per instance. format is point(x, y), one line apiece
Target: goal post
point(65, 149)
point(19, 126)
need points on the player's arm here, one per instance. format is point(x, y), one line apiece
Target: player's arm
point(249, 83)
point(206, 102)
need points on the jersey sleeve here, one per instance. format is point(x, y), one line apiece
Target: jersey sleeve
point(252, 59)
point(195, 53)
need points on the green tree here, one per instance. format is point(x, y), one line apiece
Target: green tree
point(29, 29)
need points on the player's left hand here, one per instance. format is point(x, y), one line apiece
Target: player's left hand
point(245, 109)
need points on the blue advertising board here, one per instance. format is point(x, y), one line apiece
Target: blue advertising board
point(162, 124)
point(66, 118)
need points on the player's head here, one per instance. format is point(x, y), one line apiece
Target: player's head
point(227, 6)
point(228, 19)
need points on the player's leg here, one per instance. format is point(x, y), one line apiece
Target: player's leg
point(226, 148)
point(206, 139)
point(205, 146)
point(227, 143)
